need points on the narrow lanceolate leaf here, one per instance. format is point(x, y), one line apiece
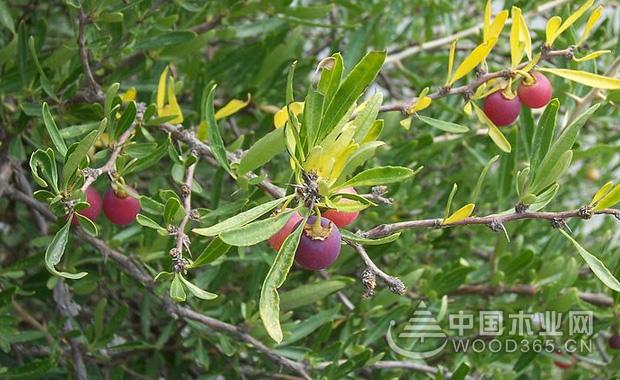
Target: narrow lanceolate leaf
point(177, 290)
point(594, 17)
point(494, 133)
point(517, 42)
point(196, 291)
point(365, 241)
point(475, 58)
point(255, 232)
point(72, 163)
point(585, 78)
point(570, 20)
point(564, 142)
point(552, 175)
point(269, 304)
point(331, 75)
point(544, 198)
point(310, 293)
point(483, 174)
point(596, 265)
point(241, 219)
point(451, 56)
point(443, 125)
point(213, 132)
point(350, 90)
point(543, 135)
point(55, 251)
point(591, 56)
point(232, 107)
point(52, 130)
point(212, 252)
point(379, 176)
point(551, 31)
point(462, 213)
point(610, 199)
point(262, 151)
point(601, 193)
point(364, 120)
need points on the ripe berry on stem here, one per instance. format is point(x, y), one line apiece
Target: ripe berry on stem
point(278, 238)
point(537, 94)
point(614, 341)
point(120, 208)
point(501, 110)
point(342, 218)
point(563, 361)
point(94, 209)
point(319, 245)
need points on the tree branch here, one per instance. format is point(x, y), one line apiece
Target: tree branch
point(95, 89)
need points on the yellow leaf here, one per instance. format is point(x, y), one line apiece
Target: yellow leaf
point(498, 25)
point(486, 29)
point(231, 108)
point(478, 55)
point(167, 104)
point(591, 56)
point(420, 104)
point(524, 37)
point(173, 106)
point(467, 108)
point(533, 62)
point(518, 41)
point(586, 78)
point(552, 29)
point(281, 117)
point(451, 60)
point(494, 133)
point(201, 133)
point(129, 95)
point(596, 14)
point(601, 193)
point(609, 200)
point(406, 123)
point(459, 215)
point(161, 88)
point(574, 17)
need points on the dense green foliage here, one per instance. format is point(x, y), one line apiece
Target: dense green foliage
point(104, 84)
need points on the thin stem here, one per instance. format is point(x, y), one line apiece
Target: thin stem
point(393, 283)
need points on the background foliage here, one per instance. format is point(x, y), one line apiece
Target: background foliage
point(246, 47)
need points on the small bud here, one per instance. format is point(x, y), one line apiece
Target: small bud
point(520, 208)
point(496, 226)
point(585, 212)
point(558, 223)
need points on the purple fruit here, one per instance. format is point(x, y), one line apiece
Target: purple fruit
point(501, 110)
point(614, 341)
point(318, 247)
point(93, 210)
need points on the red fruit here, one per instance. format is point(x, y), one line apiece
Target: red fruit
point(278, 238)
point(94, 209)
point(341, 218)
point(614, 341)
point(563, 361)
point(537, 94)
point(318, 249)
point(501, 110)
point(120, 210)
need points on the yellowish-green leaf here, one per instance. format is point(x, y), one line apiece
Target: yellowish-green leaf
point(232, 107)
point(498, 25)
point(591, 56)
point(451, 60)
point(486, 29)
point(161, 88)
point(476, 57)
point(601, 193)
point(167, 104)
point(406, 123)
point(610, 199)
point(281, 117)
point(419, 105)
point(518, 41)
point(594, 17)
point(129, 95)
point(586, 78)
point(494, 133)
point(524, 37)
point(574, 17)
point(553, 25)
point(461, 214)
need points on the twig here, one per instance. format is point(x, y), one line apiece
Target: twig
point(94, 87)
point(469, 89)
point(397, 56)
point(69, 309)
point(393, 283)
point(492, 221)
point(182, 240)
point(139, 274)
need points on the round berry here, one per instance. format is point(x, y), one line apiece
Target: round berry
point(341, 218)
point(278, 238)
point(501, 110)
point(614, 341)
point(121, 209)
point(94, 209)
point(318, 247)
point(537, 94)
point(563, 361)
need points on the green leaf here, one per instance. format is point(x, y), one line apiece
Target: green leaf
point(307, 326)
point(110, 94)
point(145, 221)
point(45, 82)
point(362, 154)
point(87, 225)
point(54, 252)
point(241, 219)
point(262, 151)
point(543, 135)
point(309, 294)
point(177, 290)
point(544, 198)
point(365, 119)
point(196, 291)
point(173, 205)
point(73, 160)
point(213, 132)
point(560, 146)
point(212, 252)
point(559, 167)
point(609, 200)
point(255, 232)
point(127, 118)
point(43, 168)
point(164, 39)
point(52, 130)
point(443, 125)
point(348, 235)
point(350, 90)
point(269, 304)
point(313, 109)
point(446, 212)
point(145, 162)
point(6, 19)
point(379, 176)
point(331, 75)
point(597, 266)
point(499, 139)
point(483, 174)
